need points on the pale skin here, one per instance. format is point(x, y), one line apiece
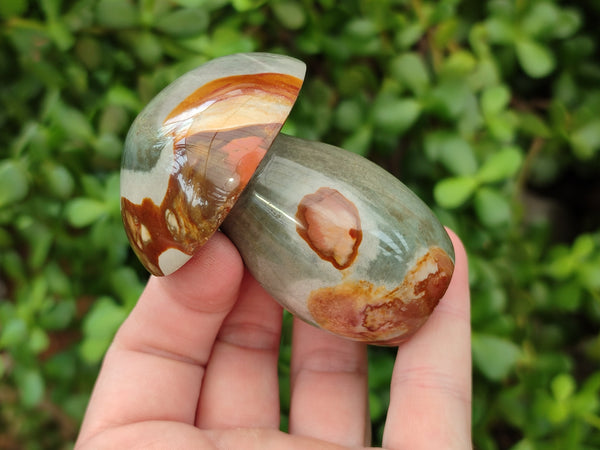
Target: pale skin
point(195, 366)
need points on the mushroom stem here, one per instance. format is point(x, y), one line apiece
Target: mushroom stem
point(317, 217)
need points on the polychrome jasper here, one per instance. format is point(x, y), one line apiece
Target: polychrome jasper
point(340, 242)
point(335, 239)
point(192, 150)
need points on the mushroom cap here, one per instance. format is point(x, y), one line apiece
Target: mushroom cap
point(192, 150)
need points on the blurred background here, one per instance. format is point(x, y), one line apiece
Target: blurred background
point(490, 111)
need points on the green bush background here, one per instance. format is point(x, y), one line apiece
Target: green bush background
point(490, 111)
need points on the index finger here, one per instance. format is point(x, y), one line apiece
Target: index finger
point(430, 396)
point(154, 368)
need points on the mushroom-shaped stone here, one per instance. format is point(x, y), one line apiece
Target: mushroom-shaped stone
point(335, 239)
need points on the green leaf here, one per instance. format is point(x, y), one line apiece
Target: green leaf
point(354, 81)
point(567, 296)
point(247, 5)
point(501, 165)
point(51, 8)
point(183, 22)
point(541, 19)
point(349, 115)
point(533, 125)
point(14, 183)
point(99, 327)
point(109, 146)
point(589, 275)
point(92, 186)
point(190, 3)
point(563, 387)
point(125, 97)
point(117, 13)
point(499, 30)
point(359, 36)
point(536, 59)
point(89, 52)
point(502, 126)
point(76, 404)
point(11, 263)
point(459, 63)
point(5, 239)
point(547, 19)
point(58, 180)
point(147, 46)
point(377, 407)
point(395, 115)
point(104, 318)
point(40, 239)
point(38, 340)
point(488, 303)
point(449, 98)
point(14, 332)
point(226, 40)
point(13, 8)
point(494, 100)
point(36, 294)
point(81, 212)
point(583, 247)
point(562, 265)
point(454, 152)
point(569, 21)
point(58, 316)
point(485, 74)
point(361, 28)
point(61, 35)
point(112, 189)
point(359, 141)
point(453, 192)
point(586, 401)
point(555, 412)
point(381, 365)
point(290, 14)
point(410, 70)
point(586, 139)
point(492, 208)
point(495, 357)
point(524, 444)
point(409, 34)
point(73, 122)
point(31, 386)
point(127, 285)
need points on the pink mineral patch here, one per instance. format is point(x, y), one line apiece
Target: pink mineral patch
point(330, 224)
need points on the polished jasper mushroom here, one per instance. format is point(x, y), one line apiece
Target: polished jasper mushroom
point(335, 239)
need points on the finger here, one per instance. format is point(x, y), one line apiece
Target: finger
point(430, 397)
point(181, 436)
point(241, 388)
point(328, 387)
point(266, 439)
point(154, 367)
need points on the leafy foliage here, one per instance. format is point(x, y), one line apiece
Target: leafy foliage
point(488, 110)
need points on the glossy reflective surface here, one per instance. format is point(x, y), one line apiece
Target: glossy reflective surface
point(341, 243)
point(193, 149)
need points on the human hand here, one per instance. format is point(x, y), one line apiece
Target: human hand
point(195, 366)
